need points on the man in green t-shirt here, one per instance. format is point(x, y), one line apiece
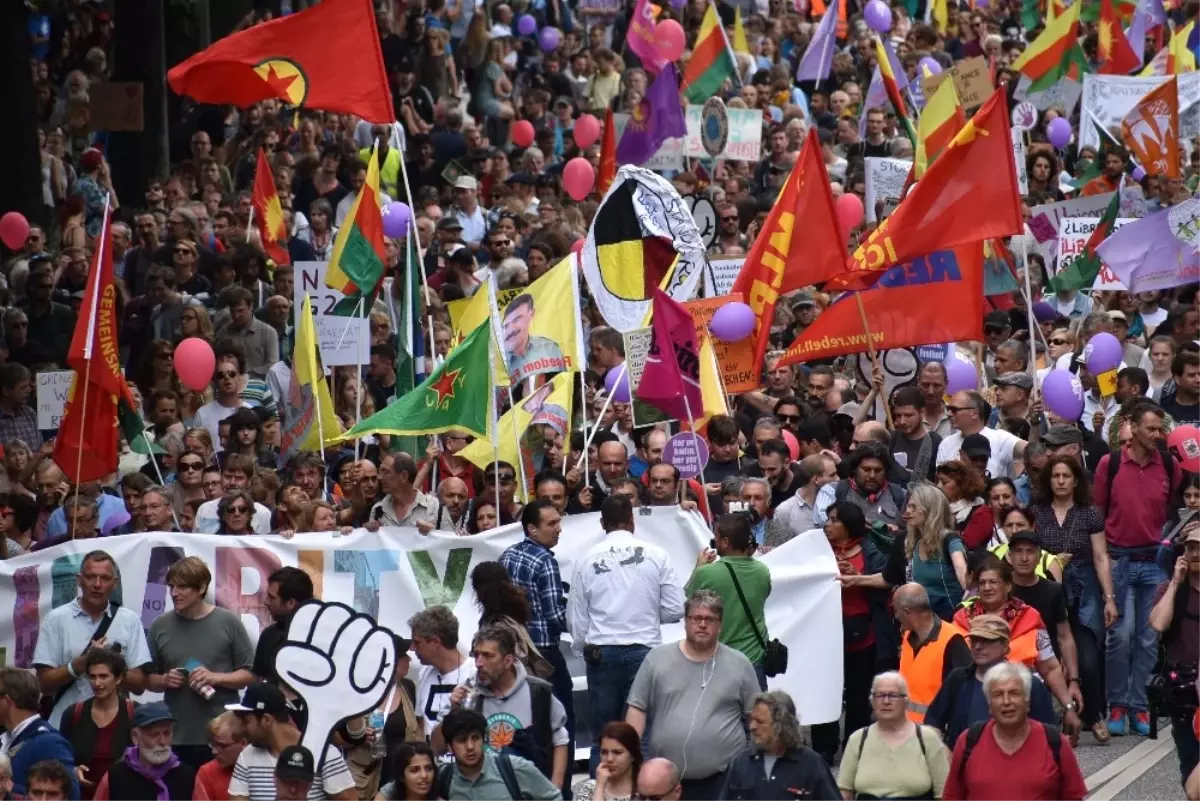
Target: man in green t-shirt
point(745, 625)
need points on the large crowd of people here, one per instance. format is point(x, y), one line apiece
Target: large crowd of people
point(1013, 583)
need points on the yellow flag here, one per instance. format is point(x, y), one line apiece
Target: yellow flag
point(710, 383)
point(549, 405)
point(740, 45)
point(307, 374)
point(941, 15)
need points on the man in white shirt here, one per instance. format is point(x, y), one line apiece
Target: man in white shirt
point(235, 474)
point(230, 375)
point(622, 591)
point(404, 504)
point(967, 416)
point(443, 667)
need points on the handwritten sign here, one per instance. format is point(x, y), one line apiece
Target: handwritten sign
point(972, 81)
point(342, 340)
point(1044, 220)
point(52, 390)
point(734, 359)
point(637, 345)
point(721, 273)
point(885, 184)
point(688, 452)
point(1018, 143)
point(1073, 234)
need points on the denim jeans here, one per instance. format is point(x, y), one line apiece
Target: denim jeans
point(562, 687)
point(1132, 644)
point(609, 683)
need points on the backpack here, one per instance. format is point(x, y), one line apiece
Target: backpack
point(1053, 737)
point(507, 774)
point(77, 711)
point(884, 539)
point(1114, 467)
point(533, 742)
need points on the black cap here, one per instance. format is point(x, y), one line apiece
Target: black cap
point(998, 318)
point(264, 699)
point(295, 764)
point(461, 255)
point(403, 644)
point(520, 178)
point(1027, 536)
point(449, 223)
point(977, 446)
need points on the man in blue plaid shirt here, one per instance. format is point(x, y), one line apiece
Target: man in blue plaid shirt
point(532, 566)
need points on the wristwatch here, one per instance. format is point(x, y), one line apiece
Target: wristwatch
point(1070, 707)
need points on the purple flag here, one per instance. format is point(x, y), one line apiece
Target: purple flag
point(671, 378)
point(657, 118)
point(1156, 252)
point(640, 37)
point(1136, 34)
point(1154, 10)
point(817, 60)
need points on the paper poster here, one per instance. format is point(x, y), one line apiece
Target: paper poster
point(52, 390)
point(972, 81)
point(342, 340)
point(885, 184)
point(1073, 234)
point(721, 273)
point(1108, 98)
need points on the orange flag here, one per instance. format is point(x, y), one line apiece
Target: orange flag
point(608, 155)
point(268, 213)
point(1150, 130)
point(784, 256)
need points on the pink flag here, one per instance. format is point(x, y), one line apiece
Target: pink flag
point(671, 379)
point(641, 37)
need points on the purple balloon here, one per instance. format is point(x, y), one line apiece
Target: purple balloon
point(549, 39)
point(1102, 353)
point(929, 63)
point(526, 25)
point(396, 217)
point(1058, 132)
point(616, 381)
point(1138, 173)
point(1063, 393)
point(960, 376)
point(878, 16)
point(733, 322)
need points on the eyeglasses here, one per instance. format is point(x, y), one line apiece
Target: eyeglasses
point(953, 409)
point(226, 374)
point(183, 251)
point(197, 466)
point(992, 329)
point(729, 219)
point(708, 620)
point(239, 510)
point(656, 796)
point(1060, 342)
point(888, 696)
point(789, 418)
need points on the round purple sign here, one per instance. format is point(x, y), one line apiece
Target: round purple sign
point(687, 451)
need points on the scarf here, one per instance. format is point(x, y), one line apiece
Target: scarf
point(1011, 610)
point(154, 773)
point(962, 509)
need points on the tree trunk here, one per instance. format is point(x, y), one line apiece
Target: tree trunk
point(140, 55)
point(21, 187)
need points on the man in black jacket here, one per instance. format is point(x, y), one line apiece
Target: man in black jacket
point(150, 767)
point(287, 589)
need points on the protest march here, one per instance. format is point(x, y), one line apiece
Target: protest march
point(600, 399)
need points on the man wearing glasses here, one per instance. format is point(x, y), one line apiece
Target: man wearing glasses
point(229, 375)
point(966, 415)
point(92, 620)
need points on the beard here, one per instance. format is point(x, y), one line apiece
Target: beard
point(154, 756)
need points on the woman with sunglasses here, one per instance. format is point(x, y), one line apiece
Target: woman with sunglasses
point(157, 370)
point(195, 322)
point(189, 483)
point(235, 512)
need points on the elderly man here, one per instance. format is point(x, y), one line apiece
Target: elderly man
point(150, 768)
point(1012, 398)
point(986, 754)
point(452, 500)
point(659, 778)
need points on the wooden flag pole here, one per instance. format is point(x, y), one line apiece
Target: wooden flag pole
point(862, 312)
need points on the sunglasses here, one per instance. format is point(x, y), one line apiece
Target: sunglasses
point(729, 219)
point(226, 374)
point(238, 510)
point(991, 329)
point(181, 251)
point(789, 418)
point(953, 409)
point(1059, 342)
point(191, 465)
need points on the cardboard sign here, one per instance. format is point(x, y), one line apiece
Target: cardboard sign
point(116, 106)
point(637, 345)
point(52, 390)
point(972, 81)
point(721, 273)
point(885, 184)
point(735, 359)
point(342, 340)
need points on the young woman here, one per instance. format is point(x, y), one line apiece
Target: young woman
point(1016, 519)
point(415, 770)
point(963, 487)
point(620, 761)
point(157, 370)
point(320, 516)
point(503, 603)
point(18, 467)
point(98, 728)
point(200, 441)
point(321, 232)
point(932, 555)
point(1001, 494)
point(246, 437)
point(1157, 363)
point(195, 322)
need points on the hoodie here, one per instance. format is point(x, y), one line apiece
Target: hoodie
point(512, 712)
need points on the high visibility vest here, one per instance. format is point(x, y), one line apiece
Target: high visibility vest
point(389, 171)
point(1022, 644)
point(1043, 566)
point(922, 670)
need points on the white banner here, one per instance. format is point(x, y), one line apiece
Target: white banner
point(394, 573)
point(719, 278)
point(1044, 221)
point(52, 390)
point(1018, 143)
point(354, 335)
point(1063, 95)
point(885, 183)
point(1110, 97)
point(1073, 234)
point(744, 143)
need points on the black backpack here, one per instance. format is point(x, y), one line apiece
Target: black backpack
point(507, 773)
point(533, 742)
point(1053, 737)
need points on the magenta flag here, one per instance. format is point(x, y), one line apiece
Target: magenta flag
point(640, 37)
point(671, 378)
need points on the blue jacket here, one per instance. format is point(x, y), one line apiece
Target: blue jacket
point(37, 742)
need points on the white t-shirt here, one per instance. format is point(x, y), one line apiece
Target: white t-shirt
point(254, 775)
point(1000, 463)
point(210, 415)
point(433, 691)
point(1153, 319)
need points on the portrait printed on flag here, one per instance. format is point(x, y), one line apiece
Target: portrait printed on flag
point(527, 349)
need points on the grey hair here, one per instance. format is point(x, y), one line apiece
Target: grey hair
point(707, 599)
point(77, 503)
point(785, 721)
point(13, 316)
point(767, 421)
point(766, 485)
point(161, 492)
point(1019, 349)
point(890, 675)
point(172, 442)
point(732, 486)
point(1006, 671)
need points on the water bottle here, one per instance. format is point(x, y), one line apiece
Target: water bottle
point(378, 745)
point(472, 693)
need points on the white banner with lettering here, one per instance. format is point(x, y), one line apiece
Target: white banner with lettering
point(342, 340)
point(394, 573)
point(1108, 98)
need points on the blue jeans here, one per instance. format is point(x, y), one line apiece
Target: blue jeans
point(609, 683)
point(1132, 644)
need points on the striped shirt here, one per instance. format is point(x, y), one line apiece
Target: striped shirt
point(254, 776)
point(257, 393)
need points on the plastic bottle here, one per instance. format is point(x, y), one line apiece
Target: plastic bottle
point(378, 745)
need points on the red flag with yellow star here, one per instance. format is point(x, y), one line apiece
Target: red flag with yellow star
point(459, 395)
point(268, 213)
point(326, 57)
point(1113, 50)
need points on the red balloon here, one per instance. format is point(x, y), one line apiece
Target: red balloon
point(1184, 444)
point(577, 246)
point(578, 178)
point(195, 363)
point(522, 133)
point(587, 131)
point(670, 39)
point(849, 210)
point(792, 443)
point(14, 230)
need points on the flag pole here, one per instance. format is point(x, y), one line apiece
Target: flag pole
point(1033, 327)
point(862, 312)
point(320, 376)
point(603, 411)
point(581, 357)
point(359, 391)
point(687, 405)
point(417, 244)
point(162, 482)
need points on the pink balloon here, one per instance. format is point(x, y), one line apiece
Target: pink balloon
point(522, 133)
point(195, 363)
point(792, 443)
point(587, 131)
point(14, 230)
point(577, 246)
point(669, 39)
point(578, 178)
point(849, 211)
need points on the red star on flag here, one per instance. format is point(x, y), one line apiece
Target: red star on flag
point(444, 386)
point(279, 83)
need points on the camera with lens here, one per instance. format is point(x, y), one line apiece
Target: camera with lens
point(1173, 689)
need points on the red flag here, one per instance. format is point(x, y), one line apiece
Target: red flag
point(1150, 130)
point(951, 205)
point(608, 155)
point(326, 57)
point(1113, 48)
point(268, 213)
point(932, 299)
point(784, 257)
point(671, 378)
point(86, 447)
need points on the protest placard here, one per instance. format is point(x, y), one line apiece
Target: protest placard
point(1108, 98)
point(972, 81)
point(744, 143)
point(1073, 234)
point(885, 184)
point(1044, 221)
point(52, 390)
point(688, 452)
point(734, 359)
point(1062, 95)
point(721, 273)
point(353, 335)
point(1018, 143)
point(637, 345)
